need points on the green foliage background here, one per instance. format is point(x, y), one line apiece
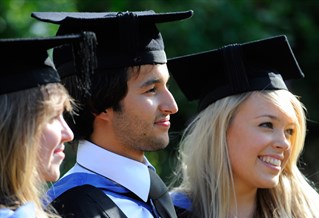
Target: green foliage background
point(215, 23)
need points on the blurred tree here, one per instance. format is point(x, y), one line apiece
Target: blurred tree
point(214, 24)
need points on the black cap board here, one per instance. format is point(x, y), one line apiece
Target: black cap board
point(236, 68)
point(128, 38)
point(25, 62)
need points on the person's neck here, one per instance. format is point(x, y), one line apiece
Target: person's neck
point(104, 136)
point(244, 206)
point(123, 150)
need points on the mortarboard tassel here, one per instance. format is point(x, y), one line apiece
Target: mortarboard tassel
point(235, 68)
point(85, 60)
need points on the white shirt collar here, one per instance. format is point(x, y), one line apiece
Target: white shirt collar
point(129, 173)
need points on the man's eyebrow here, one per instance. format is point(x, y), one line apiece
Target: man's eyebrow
point(150, 82)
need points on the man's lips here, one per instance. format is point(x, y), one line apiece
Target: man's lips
point(163, 122)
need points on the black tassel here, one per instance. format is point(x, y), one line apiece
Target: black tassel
point(235, 68)
point(85, 60)
point(128, 27)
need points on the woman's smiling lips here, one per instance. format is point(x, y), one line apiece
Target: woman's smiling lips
point(271, 161)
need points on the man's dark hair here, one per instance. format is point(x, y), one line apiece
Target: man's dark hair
point(108, 88)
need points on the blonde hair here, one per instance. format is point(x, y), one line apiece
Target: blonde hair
point(206, 175)
point(23, 115)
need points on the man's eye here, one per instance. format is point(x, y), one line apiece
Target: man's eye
point(151, 90)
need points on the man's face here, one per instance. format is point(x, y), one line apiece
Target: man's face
point(143, 123)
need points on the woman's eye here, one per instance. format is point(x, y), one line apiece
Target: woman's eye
point(267, 125)
point(56, 117)
point(290, 131)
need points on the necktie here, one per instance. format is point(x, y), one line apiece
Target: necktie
point(160, 197)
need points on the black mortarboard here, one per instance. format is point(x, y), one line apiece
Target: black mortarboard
point(124, 38)
point(25, 62)
point(234, 69)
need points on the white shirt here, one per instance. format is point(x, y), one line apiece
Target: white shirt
point(129, 173)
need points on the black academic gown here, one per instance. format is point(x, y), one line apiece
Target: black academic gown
point(90, 203)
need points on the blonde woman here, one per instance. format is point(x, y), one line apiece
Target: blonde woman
point(239, 155)
point(32, 130)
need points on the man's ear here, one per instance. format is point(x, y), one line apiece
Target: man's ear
point(104, 115)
